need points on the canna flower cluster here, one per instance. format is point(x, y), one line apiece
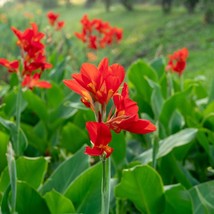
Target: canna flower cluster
point(177, 61)
point(98, 34)
point(33, 60)
point(53, 20)
point(100, 87)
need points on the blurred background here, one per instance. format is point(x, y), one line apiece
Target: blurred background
point(151, 28)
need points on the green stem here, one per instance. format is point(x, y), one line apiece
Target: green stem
point(105, 188)
point(18, 119)
point(13, 177)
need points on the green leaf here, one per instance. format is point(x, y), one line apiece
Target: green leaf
point(73, 137)
point(58, 203)
point(3, 149)
point(178, 200)
point(35, 168)
point(29, 200)
point(179, 101)
point(143, 186)
point(138, 74)
point(36, 104)
point(203, 197)
point(85, 191)
point(30, 170)
point(54, 96)
point(10, 101)
point(118, 143)
point(158, 65)
point(176, 122)
point(168, 144)
point(66, 173)
point(11, 127)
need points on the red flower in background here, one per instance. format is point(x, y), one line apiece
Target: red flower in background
point(34, 81)
point(60, 25)
point(52, 17)
point(97, 84)
point(30, 40)
point(126, 116)
point(53, 20)
point(100, 137)
point(98, 34)
point(11, 66)
point(33, 58)
point(177, 61)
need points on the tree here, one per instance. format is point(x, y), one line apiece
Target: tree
point(209, 11)
point(190, 5)
point(166, 5)
point(127, 4)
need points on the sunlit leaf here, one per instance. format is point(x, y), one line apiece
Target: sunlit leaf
point(143, 186)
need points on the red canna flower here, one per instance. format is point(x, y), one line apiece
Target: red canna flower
point(100, 137)
point(52, 17)
point(177, 61)
point(126, 115)
point(97, 33)
point(29, 40)
point(34, 81)
point(97, 84)
point(60, 25)
point(11, 66)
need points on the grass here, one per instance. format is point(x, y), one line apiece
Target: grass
point(147, 32)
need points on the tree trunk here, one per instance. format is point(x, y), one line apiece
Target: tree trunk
point(127, 4)
point(89, 3)
point(209, 11)
point(107, 5)
point(166, 5)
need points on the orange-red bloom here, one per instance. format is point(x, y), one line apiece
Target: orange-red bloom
point(126, 115)
point(177, 61)
point(60, 25)
point(11, 66)
point(97, 33)
point(97, 84)
point(30, 40)
point(33, 58)
point(34, 81)
point(100, 137)
point(52, 17)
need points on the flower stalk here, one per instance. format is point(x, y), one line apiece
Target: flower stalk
point(105, 188)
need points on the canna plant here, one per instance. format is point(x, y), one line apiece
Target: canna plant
point(97, 87)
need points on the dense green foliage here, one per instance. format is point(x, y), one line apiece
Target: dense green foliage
point(169, 171)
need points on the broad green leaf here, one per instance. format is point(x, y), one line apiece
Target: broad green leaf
point(37, 135)
point(58, 203)
point(73, 137)
point(118, 143)
point(178, 200)
point(138, 74)
point(36, 104)
point(143, 186)
point(179, 101)
point(35, 167)
point(166, 145)
point(10, 101)
point(85, 191)
point(4, 139)
point(30, 170)
point(176, 122)
point(29, 200)
point(66, 173)
point(11, 127)
point(156, 98)
point(54, 96)
point(158, 65)
point(203, 197)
